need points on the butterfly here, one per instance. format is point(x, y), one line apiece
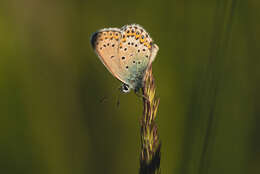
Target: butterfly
point(126, 53)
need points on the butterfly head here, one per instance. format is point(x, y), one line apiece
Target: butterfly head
point(125, 88)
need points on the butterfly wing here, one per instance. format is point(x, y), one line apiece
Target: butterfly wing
point(136, 52)
point(106, 44)
point(126, 52)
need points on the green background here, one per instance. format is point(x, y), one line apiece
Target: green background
point(207, 74)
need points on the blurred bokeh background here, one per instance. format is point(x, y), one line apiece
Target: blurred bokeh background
point(51, 83)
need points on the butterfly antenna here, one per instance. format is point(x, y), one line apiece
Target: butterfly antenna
point(117, 100)
point(103, 99)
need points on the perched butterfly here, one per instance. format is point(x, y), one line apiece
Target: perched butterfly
point(126, 53)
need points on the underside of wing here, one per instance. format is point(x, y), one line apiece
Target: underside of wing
point(126, 52)
point(106, 44)
point(135, 53)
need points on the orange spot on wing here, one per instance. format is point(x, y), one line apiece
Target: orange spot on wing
point(116, 35)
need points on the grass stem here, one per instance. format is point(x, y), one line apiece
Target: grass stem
point(150, 144)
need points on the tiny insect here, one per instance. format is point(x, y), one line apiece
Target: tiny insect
point(126, 53)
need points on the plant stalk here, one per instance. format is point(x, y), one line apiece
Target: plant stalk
point(150, 143)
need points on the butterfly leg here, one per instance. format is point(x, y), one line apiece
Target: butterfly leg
point(137, 92)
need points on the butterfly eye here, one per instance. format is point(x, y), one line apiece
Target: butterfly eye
point(125, 88)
